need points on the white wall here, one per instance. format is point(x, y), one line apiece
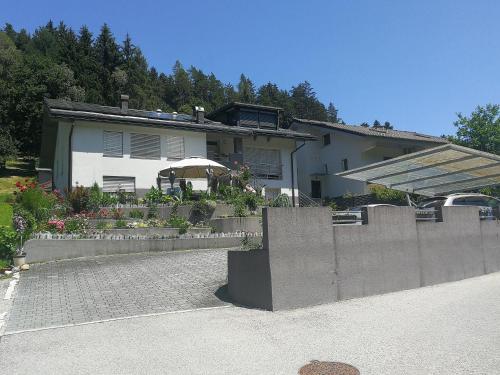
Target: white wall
point(358, 150)
point(89, 164)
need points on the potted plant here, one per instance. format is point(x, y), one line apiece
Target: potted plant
point(19, 256)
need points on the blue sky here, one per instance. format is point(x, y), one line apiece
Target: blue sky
point(413, 63)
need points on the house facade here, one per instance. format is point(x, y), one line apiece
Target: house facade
point(124, 149)
point(343, 147)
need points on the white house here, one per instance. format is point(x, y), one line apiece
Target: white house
point(342, 147)
point(122, 148)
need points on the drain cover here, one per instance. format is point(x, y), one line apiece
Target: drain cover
point(328, 368)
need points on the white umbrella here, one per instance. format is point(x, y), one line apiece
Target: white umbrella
point(194, 167)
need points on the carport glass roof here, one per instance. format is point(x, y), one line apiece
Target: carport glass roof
point(441, 170)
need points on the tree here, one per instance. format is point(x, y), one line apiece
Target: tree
point(376, 124)
point(388, 125)
point(365, 125)
point(182, 86)
point(246, 90)
point(8, 149)
point(305, 104)
point(480, 130)
point(109, 58)
point(332, 113)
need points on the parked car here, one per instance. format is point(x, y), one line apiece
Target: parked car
point(353, 215)
point(485, 203)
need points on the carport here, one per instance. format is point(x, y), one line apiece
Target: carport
point(437, 171)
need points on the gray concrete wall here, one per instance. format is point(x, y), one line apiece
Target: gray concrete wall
point(237, 224)
point(249, 278)
point(165, 232)
point(490, 237)
point(49, 250)
point(377, 258)
point(310, 261)
point(300, 256)
point(184, 211)
point(451, 250)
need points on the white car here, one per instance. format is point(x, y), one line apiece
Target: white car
point(353, 215)
point(485, 203)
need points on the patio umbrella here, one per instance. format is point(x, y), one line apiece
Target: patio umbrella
point(194, 167)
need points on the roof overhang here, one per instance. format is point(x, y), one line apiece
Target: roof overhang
point(436, 171)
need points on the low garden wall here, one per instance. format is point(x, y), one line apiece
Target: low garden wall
point(307, 261)
point(237, 224)
point(44, 250)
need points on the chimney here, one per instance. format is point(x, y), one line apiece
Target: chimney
point(199, 114)
point(124, 100)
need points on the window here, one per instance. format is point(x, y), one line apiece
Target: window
point(263, 163)
point(267, 120)
point(175, 148)
point(345, 164)
point(326, 139)
point(238, 145)
point(113, 144)
point(250, 119)
point(112, 184)
point(144, 146)
point(315, 189)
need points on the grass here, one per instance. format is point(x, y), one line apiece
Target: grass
point(16, 170)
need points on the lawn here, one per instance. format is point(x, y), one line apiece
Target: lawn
point(16, 170)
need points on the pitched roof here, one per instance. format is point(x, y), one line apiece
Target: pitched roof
point(375, 132)
point(243, 105)
point(59, 108)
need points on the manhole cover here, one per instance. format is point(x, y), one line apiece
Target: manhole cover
point(328, 368)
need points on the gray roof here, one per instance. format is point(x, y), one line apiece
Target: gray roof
point(375, 132)
point(244, 105)
point(59, 108)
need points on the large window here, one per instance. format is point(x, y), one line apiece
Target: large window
point(144, 146)
point(113, 144)
point(112, 184)
point(263, 163)
point(175, 148)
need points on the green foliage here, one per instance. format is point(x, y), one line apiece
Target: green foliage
point(249, 243)
point(95, 198)
point(153, 196)
point(386, 195)
point(480, 130)
point(34, 201)
point(76, 224)
point(136, 214)
point(8, 149)
point(240, 209)
point(282, 200)
point(108, 200)
point(78, 199)
point(103, 225)
point(57, 62)
point(8, 242)
point(120, 224)
point(202, 210)
point(180, 222)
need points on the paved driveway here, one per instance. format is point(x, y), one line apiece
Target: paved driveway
point(86, 290)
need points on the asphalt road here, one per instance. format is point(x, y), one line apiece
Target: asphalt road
point(445, 329)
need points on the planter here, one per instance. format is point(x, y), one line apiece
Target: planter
point(19, 260)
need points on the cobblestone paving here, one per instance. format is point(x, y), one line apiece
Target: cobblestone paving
point(86, 290)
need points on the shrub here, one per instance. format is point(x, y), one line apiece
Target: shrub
point(9, 241)
point(108, 199)
point(136, 214)
point(282, 200)
point(386, 195)
point(116, 213)
point(153, 196)
point(178, 222)
point(76, 224)
point(30, 222)
point(95, 198)
point(120, 224)
point(240, 209)
point(31, 198)
point(78, 199)
point(248, 243)
point(4, 263)
point(202, 210)
point(55, 225)
point(103, 225)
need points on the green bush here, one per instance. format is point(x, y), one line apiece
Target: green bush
point(153, 196)
point(178, 222)
point(240, 209)
point(108, 200)
point(35, 201)
point(136, 214)
point(386, 195)
point(103, 225)
point(202, 210)
point(120, 224)
point(95, 198)
point(78, 199)
point(9, 241)
point(76, 224)
point(282, 200)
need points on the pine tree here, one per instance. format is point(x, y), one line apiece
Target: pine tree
point(332, 113)
point(246, 90)
point(376, 124)
point(108, 58)
point(388, 125)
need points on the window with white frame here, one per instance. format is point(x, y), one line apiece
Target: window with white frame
point(112, 184)
point(175, 148)
point(113, 144)
point(144, 146)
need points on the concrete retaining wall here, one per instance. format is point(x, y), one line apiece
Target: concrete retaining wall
point(165, 232)
point(311, 262)
point(49, 250)
point(237, 224)
point(184, 211)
